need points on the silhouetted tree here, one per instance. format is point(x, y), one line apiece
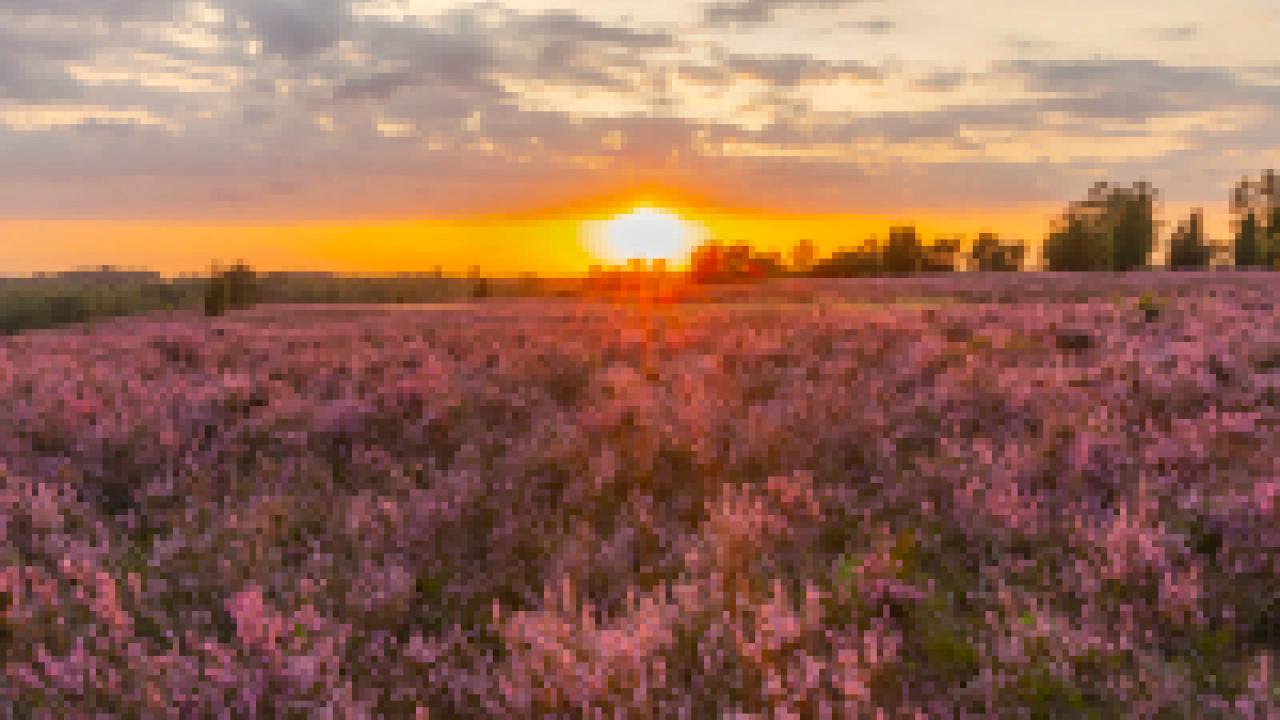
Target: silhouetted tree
point(803, 256)
point(215, 297)
point(864, 261)
point(991, 254)
point(1273, 237)
point(717, 263)
point(1248, 246)
point(1130, 218)
point(766, 265)
point(233, 289)
point(1255, 205)
point(1188, 249)
point(242, 284)
point(1073, 246)
point(941, 256)
point(1112, 229)
point(69, 308)
point(903, 254)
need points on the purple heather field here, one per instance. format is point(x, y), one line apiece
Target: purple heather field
point(1029, 496)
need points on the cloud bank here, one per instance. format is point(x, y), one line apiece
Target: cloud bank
point(310, 108)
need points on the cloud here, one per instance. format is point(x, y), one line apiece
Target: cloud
point(1118, 74)
point(467, 52)
point(567, 25)
point(116, 10)
point(411, 56)
point(754, 12)
point(941, 81)
point(1132, 89)
point(293, 28)
point(567, 48)
point(490, 104)
point(798, 69)
point(874, 26)
point(1178, 33)
point(33, 68)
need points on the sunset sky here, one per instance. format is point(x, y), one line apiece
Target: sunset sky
point(406, 134)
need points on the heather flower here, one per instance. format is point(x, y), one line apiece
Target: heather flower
point(854, 508)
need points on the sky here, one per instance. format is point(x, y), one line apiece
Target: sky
point(407, 134)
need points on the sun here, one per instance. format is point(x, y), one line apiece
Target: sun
point(644, 233)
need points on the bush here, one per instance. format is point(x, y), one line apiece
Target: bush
point(232, 289)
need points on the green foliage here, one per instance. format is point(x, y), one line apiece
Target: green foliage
point(904, 254)
point(6, 602)
point(1112, 229)
point(1256, 207)
point(430, 599)
point(306, 288)
point(945, 638)
point(991, 254)
point(1150, 307)
point(906, 553)
point(1044, 695)
point(1215, 644)
point(232, 289)
point(949, 650)
point(1205, 538)
point(846, 568)
point(1075, 247)
point(866, 261)
point(216, 298)
point(1248, 245)
point(1130, 218)
point(1188, 248)
point(34, 303)
point(1273, 236)
point(1211, 658)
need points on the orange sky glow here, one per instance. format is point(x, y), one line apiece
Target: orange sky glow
point(551, 243)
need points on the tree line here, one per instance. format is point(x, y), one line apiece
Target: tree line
point(1114, 228)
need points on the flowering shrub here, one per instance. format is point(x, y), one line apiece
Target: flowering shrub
point(817, 506)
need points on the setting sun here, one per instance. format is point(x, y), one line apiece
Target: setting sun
point(646, 234)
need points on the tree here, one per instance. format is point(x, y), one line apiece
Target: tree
point(1130, 219)
point(1188, 249)
point(215, 297)
point(803, 255)
point(242, 286)
point(1073, 246)
point(480, 287)
point(1255, 205)
point(903, 254)
point(1248, 246)
point(941, 256)
point(232, 289)
point(1273, 237)
point(864, 261)
point(717, 263)
point(991, 254)
point(1111, 229)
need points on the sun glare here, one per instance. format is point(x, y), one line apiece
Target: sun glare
point(646, 234)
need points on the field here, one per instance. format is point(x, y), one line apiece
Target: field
point(1022, 496)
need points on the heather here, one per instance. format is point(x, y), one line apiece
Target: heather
point(1026, 496)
